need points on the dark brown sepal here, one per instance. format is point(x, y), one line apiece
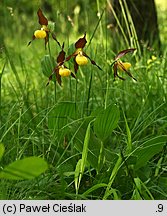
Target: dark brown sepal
point(124, 69)
point(50, 78)
point(124, 52)
point(115, 67)
point(92, 61)
point(58, 77)
point(42, 19)
point(76, 66)
point(73, 75)
point(55, 38)
point(81, 42)
point(61, 56)
point(33, 38)
point(72, 55)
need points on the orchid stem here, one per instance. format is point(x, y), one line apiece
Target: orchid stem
point(55, 86)
point(89, 92)
point(1, 73)
point(107, 90)
point(76, 86)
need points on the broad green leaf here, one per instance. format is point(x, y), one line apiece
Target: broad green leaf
point(2, 149)
point(47, 66)
point(106, 121)
point(148, 149)
point(27, 168)
point(61, 115)
point(163, 183)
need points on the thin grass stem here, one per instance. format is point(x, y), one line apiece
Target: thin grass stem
point(118, 22)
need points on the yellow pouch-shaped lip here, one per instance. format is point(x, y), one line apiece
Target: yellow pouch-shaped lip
point(40, 34)
point(64, 72)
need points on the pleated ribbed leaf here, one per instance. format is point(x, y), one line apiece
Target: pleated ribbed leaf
point(148, 149)
point(27, 168)
point(47, 66)
point(60, 116)
point(106, 121)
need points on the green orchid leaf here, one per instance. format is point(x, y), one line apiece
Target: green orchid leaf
point(148, 149)
point(47, 66)
point(27, 168)
point(106, 122)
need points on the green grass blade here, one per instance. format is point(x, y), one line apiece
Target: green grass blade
point(82, 162)
point(112, 177)
point(129, 139)
point(137, 191)
point(2, 150)
point(1, 73)
point(93, 188)
point(76, 175)
point(118, 22)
